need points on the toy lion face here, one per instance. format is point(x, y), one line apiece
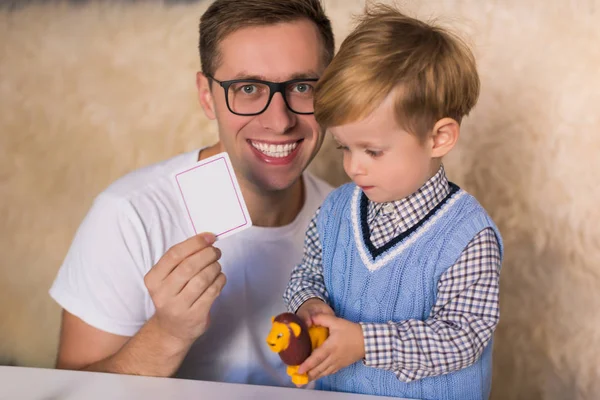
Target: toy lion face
point(289, 338)
point(280, 335)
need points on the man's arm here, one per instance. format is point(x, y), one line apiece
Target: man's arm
point(103, 291)
point(461, 323)
point(83, 347)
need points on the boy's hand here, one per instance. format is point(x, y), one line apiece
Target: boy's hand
point(312, 307)
point(343, 347)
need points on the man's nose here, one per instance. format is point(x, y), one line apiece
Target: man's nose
point(278, 117)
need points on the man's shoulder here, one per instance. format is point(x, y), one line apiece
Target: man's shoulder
point(317, 187)
point(149, 179)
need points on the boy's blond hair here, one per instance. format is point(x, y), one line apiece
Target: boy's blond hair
point(431, 72)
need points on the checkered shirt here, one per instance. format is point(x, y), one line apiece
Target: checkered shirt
point(466, 311)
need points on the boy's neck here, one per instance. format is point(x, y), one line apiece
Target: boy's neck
point(436, 164)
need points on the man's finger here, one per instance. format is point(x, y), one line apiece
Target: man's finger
point(205, 301)
point(199, 283)
point(179, 252)
point(190, 267)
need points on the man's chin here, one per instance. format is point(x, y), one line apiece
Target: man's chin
point(275, 183)
point(279, 186)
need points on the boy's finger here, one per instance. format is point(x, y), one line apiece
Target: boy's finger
point(332, 369)
point(307, 318)
point(320, 370)
point(325, 320)
point(316, 358)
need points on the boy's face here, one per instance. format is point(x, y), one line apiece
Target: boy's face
point(273, 53)
point(387, 162)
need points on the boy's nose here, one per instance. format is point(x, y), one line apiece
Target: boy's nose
point(353, 166)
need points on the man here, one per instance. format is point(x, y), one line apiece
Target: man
point(140, 293)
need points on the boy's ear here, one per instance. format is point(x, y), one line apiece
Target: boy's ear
point(444, 136)
point(205, 95)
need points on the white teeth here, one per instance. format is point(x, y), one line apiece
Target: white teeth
point(275, 150)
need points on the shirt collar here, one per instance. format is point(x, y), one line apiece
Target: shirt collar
point(410, 210)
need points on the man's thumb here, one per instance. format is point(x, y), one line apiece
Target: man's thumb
point(208, 237)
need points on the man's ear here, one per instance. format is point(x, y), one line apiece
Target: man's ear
point(205, 95)
point(445, 134)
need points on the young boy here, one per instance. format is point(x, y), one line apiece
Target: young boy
point(401, 265)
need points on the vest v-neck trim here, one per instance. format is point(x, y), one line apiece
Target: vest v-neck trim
point(373, 257)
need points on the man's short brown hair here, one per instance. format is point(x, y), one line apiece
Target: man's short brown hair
point(224, 17)
point(431, 72)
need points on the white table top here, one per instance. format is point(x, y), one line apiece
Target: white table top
point(19, 383)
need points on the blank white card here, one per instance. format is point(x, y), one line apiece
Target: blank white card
point(212, 197)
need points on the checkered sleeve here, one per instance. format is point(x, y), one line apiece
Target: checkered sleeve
point(307, 277)
point(460, 325)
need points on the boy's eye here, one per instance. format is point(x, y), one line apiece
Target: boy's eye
point(340, 147)
point(374, 153)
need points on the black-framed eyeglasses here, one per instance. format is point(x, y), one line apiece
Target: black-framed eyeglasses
point(252, 96)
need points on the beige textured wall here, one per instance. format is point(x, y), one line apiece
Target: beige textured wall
point(88, 93)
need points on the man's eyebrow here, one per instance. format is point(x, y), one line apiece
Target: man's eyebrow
point(298, 75)
point(246, 75)
point(305, 75)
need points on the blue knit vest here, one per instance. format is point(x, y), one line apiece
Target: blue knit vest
point(399, 283)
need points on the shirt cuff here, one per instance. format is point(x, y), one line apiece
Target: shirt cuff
point(301, 297)
point(379, 345)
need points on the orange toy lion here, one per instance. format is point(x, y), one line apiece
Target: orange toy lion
point(294, 341)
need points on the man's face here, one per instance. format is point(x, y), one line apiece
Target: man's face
point(269, 151)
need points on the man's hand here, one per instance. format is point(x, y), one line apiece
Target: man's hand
point(343, 347)
point(183, 285)
point(311, 308)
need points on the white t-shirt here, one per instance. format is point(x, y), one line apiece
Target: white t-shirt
point(133, 223)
